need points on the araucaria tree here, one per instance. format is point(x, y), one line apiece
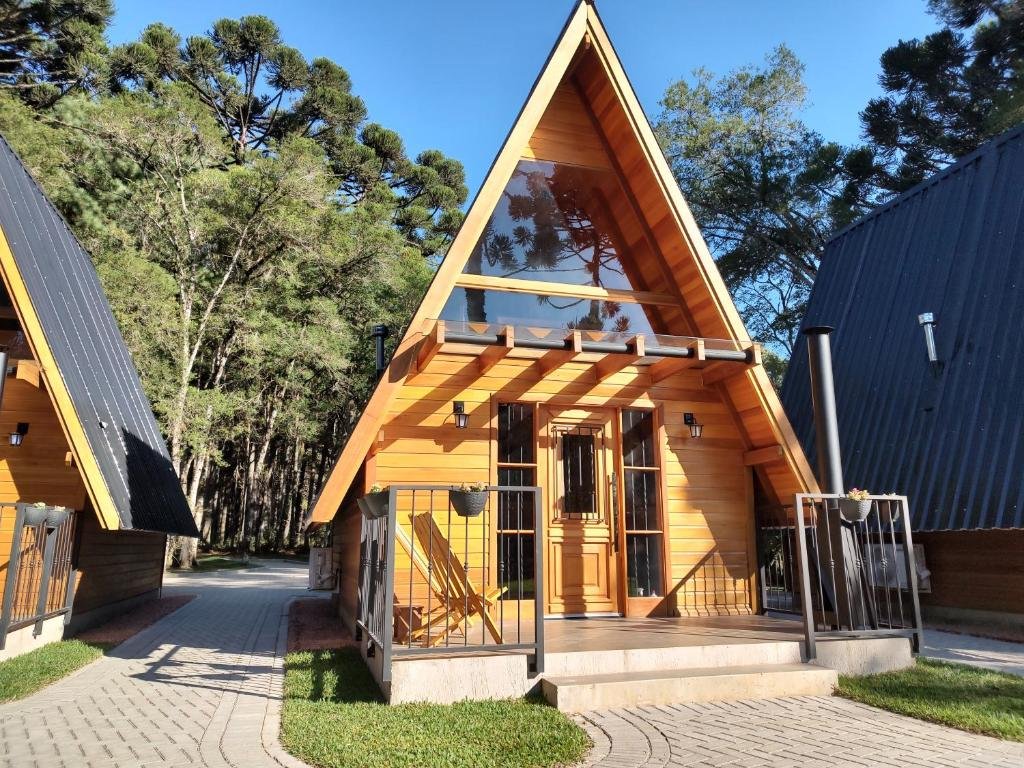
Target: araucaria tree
point(249, 225)
point(766, 190)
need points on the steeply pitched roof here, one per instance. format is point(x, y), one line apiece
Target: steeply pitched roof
point(87, 368)
point(951, 436)
point(583, 67)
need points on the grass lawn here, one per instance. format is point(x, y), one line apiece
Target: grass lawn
point(333, 718)
point(36, 669)
point(956, 695)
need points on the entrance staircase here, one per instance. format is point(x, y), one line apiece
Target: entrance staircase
point(580, 681)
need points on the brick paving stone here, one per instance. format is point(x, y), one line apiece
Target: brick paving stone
point(799, 732)
point(200, 688)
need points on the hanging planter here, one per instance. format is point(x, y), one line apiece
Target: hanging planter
point(36, 514)
point(889, 512)
point(376, 502)
point(468, 500)
point(855, 506)
point(57, 516)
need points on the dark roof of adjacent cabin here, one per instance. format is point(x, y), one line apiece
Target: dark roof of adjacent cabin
point(91, 356)
point(950, 435)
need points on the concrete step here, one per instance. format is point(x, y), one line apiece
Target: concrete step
point(678, 657)
point(759, 681)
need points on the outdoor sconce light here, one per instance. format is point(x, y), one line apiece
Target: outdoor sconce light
point(696, 430)
point(927, 321)
point(461, 417)
point(18, 435)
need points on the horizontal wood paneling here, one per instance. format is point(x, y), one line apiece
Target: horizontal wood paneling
point(979, 569)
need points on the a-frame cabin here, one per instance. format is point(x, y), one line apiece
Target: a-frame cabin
point(578, 339)
point(87, 489)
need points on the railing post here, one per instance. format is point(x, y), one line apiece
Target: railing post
point(538, 579)
point(390, 537)
point(911, 563)
point(805, 579)
point(49, 545)
point(13, 566)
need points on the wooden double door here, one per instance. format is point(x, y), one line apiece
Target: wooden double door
point(579, 452)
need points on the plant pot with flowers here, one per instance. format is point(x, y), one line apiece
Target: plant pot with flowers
point(57, 516)
point(469, 499)
point(35, 514)
point(855, 506)
point(376, 502)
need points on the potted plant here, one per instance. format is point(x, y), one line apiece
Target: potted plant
point(35, 514)
point(889, 511)
point(469, 499)
point(855, 506)
point(57, 516)
point(376, 500)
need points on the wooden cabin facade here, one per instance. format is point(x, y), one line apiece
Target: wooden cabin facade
point(578, 357)
point(87, 492)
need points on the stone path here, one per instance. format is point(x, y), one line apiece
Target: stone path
point(784, 733)
point(976, 651)
point(201, 687)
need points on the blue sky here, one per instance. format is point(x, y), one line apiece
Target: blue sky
point(452, 74)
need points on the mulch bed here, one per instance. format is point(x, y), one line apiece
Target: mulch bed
point(120, 628)
point(314, 625)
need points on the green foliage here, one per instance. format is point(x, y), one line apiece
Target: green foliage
point(968, 698)
point(49, 48)
point(333, 717)
point(765, 189)
point(24, 675)
point(948, 93)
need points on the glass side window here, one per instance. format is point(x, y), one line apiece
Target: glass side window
point(640, 502)
point(516, 525)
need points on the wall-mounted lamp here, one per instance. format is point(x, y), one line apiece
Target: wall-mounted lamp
point(19, 434)
point(927, 321)
point(461, 417)
point(696, 430)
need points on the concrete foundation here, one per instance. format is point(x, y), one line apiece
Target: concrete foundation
point(864, 656)
point(21, 640)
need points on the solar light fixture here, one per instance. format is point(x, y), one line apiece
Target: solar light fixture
point(696, 430)
point(461, 417)
point(19, 434)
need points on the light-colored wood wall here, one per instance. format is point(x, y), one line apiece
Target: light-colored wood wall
point(706, 485)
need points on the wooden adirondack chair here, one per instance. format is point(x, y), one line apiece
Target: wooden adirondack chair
point(458, 601)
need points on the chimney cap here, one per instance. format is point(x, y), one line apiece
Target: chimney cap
point(926, 317)
point(818, 330)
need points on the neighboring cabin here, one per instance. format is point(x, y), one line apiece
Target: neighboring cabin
point(87, 490)
point(948, 432)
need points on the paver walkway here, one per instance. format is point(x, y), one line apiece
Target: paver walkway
point(198, 688)
point(784, 733)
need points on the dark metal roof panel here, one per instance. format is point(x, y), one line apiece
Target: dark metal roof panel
point(951, 437)
point(92, 357)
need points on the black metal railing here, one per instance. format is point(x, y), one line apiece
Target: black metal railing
point(856, 566)
point(432, 581)
point(39, 581)
point(778, 563)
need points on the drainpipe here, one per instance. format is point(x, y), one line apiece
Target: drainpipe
point(379, 334)
point(839, 567)
point(823, 400)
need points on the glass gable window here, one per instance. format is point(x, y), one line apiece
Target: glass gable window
point(553, 223)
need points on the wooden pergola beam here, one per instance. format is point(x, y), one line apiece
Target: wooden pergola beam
point(672, 365)
point(558, 357)
point(612, 364)
point(432, 341)
point(763, 455)
point(492, 355)
point(726, 369)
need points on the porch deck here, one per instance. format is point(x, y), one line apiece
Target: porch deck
point(624, 634)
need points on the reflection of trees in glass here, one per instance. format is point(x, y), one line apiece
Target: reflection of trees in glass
point(549, 228)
